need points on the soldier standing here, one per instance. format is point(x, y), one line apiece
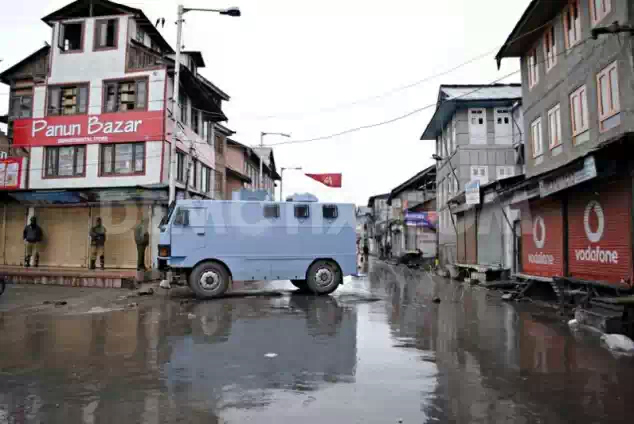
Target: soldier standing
point(97, 243)
point(142, 239)
point(32, 236)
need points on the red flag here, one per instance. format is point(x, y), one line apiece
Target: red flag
point(331, 180)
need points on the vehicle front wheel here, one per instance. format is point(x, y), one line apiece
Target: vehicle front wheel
point(300, 284)
point(209, 279)
point(324, 277)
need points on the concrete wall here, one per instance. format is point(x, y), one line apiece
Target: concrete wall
point(574, 68)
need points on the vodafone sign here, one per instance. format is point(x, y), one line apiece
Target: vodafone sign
point(89, 129)
point(596, 254)
point(542, 234)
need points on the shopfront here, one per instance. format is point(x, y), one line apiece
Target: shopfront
point(599, 231)
point(543, 237)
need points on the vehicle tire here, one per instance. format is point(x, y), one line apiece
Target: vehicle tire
point(209, 279)
point(300, 284)
point(324, 277)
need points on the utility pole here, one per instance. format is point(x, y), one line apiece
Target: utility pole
point(262, 134)
point(176, 110)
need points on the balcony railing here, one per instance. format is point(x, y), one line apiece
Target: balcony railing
point(140, 58)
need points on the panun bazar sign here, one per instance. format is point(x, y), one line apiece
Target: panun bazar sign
point(89, 129)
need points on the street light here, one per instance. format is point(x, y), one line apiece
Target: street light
point(233, 12)
point(262, 134)
point(299, 168)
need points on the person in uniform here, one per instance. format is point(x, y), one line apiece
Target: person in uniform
point(97, 243)
point(32, 236)
point(142, 239)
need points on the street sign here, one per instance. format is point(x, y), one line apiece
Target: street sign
point(472, 192)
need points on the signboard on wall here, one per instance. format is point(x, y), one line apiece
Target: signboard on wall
point(587, 172)
point(422, 219)
point(89, 129)
point(472, 192)
point(10, 173)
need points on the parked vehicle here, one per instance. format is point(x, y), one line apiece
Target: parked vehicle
point(214, 242)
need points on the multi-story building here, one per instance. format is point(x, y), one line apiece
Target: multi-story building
point(577, 74)
point(243, 169)
point(93, 110)
point(381, 214)
point(474, 128)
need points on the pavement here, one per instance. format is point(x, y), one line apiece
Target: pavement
point(393, 346)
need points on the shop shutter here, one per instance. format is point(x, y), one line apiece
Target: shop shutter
point(12, 244)
point(490, 241)
point(461, 252)
point(599, 232)
point(471, 236)
point(410, 241)
point(543, 238)
point(120, 248)
point(65, 241)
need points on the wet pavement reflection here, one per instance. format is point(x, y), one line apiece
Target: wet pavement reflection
point(377, 351)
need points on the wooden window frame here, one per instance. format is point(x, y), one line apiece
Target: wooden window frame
point(97, 33)
point(614, 100)
point(537, 124)
point(103, 146)
point(583, 110)
point(533, 69)
point(21, 97)
point(566, 17)
point(77, 85)
point(119, 81)
point(82, 40)
point(75, 147)
point(180, 166)
point(555, 111)
point(194, 169)
point(596, 17)
point(550, 45)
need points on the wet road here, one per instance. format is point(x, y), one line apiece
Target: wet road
point(377, 351)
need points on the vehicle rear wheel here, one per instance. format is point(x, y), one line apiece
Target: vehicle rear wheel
point(324, 277)
point(209, 279)
point(300, 284)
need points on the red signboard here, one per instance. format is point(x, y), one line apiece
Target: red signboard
point(599, 241)
point(330, 180)
point(89, 129)
point(10, 173)
point(542, 238)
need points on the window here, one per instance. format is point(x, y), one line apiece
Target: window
point(505, 172)
point(533, 70)
point(480, 173)
point(4, 155)
point(477, 126)
point(302, 211)
point(21, 106)
point(608, 85)
point(180, 167)
point(536, 137)
point(182, 217)
point(271, 211)
point(599, 10)
point(219, 145)
point(195, 173)
point(205, 179)
point(122, 96)
point(196, 121)
point(105, 34)
point(554, 127)
point(122, 158)
point(66, 161)
point(140, 34)
point(550, 48)
point(218, 184)
point(71, 37)
point(68, 100)
point(182, 103)
point(579, 111)
point(330, 211)
point(572, 24)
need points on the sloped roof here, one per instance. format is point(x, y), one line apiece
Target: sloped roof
point(450, 97)
point(422, 178)
point(4, 74)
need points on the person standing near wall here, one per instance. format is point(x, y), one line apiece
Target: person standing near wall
point(32, 236)
point(142, 239)
point(97, 243)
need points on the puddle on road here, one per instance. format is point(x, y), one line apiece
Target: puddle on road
point(376, 351)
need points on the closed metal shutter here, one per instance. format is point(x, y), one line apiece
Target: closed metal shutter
point(471, 236)
point(461, 251)
point(410, 240)
point(120, 248)
point(12, 244)
point(599, 232)
point(543, 238)
point(65, 236)
point(490, 242)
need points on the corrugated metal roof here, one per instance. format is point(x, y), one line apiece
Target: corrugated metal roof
point(480, 92)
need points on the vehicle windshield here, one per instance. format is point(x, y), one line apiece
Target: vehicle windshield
point(166, 218)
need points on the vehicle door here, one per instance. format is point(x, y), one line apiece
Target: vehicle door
point(189, 231)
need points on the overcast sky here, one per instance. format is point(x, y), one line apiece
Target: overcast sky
point(298, 66)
